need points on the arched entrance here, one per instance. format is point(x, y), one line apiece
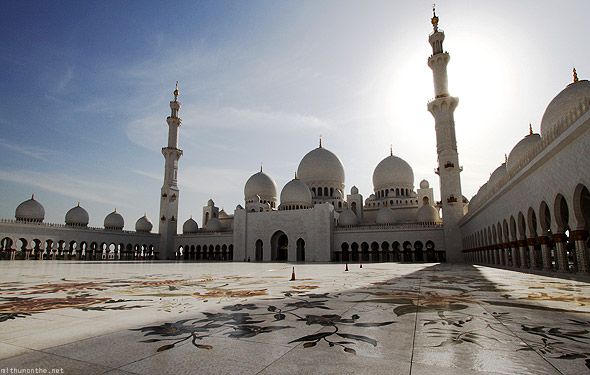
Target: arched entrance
point(259, 250)
point(280, 246)
point(300, 250)
point(418, 251)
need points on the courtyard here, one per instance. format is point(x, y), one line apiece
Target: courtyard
point(250, 318)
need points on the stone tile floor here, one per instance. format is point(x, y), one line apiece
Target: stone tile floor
point(248, 318)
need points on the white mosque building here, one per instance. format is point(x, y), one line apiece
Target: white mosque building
point(533, 213)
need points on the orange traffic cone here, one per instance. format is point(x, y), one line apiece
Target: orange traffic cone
point(346, 269)
point(293, 275)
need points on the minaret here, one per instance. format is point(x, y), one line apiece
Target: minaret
point(442, 107)
point(170, 192)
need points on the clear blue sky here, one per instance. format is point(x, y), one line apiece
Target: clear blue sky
point(85, 89)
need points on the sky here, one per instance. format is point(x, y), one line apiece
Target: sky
point(85, 89)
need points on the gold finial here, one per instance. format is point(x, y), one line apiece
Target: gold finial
point(176, 92)
point(505, 158)
point(530, 129)
point(391, 150)
point(33, 196)
point(296, 175)
point(320, 141)
point(434, 19)
point(260, 167)
point(575, 76)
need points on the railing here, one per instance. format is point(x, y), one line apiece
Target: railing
point(55, 225)
point(432, 225)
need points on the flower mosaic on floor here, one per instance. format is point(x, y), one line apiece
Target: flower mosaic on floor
point(257, 321)
point(349, 313)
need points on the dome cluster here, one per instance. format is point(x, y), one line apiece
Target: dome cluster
point(32, 211)
point(320, 178)
point(567, 106)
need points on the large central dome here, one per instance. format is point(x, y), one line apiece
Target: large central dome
point(321, 166)
point(393, 172)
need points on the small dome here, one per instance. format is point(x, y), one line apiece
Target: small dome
point(424, 184)
point(239, 207)
point(143, 224)
point(392, 172)
point(354, 190)
point(114, 221)
point(296, 192)
point(348, 218)
point(478, 196)
point(190, 226)
point(427, 214)
point(521, 149)
point(497, 175)
point(214, 225)
point(77, 216)
point(262, 185)
point(385, 216)
point(321, 166)
point(567, 101)
point(210, 203)
point(30, 210)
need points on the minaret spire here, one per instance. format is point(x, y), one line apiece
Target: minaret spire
point(170, 192)
point(442, 108)
point(434, 19)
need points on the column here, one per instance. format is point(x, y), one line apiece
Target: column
point(531, 242)
point(561, 250)
point(545, 253)
point(579, 237)
point(522, 250)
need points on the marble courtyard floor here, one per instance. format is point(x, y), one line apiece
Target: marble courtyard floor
point(248, 318)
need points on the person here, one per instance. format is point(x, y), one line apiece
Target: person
point(248, 259)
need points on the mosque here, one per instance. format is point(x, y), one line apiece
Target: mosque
point(532, 213)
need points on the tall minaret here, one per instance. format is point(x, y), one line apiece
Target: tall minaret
point(170, 192)
point(442, 108)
